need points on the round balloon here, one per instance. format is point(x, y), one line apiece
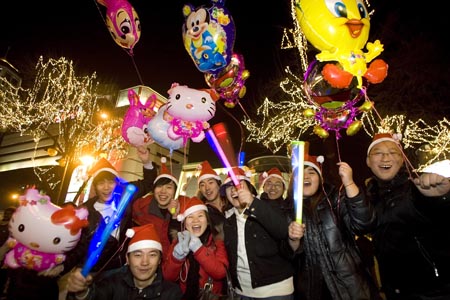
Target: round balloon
point(230, 82)
point(208, 36)
point(122, 22)
point(335, 107)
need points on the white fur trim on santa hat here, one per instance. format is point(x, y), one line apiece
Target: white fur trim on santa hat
point(166, 176)
point(143, 245)
point(191, 210)
point(272, 175)
point(320, 159)
point(395, 139)
point(112, 171)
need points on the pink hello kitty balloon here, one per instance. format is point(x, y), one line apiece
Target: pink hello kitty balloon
point(134, 125)
point(188, 111)
point(41, 232)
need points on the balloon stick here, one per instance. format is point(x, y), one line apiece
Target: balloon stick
point(297, 159)
point(100, 238)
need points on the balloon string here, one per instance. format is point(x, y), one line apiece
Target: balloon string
point(135, 67)
point(337, 148)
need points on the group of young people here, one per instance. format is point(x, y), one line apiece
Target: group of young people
point(175, 248)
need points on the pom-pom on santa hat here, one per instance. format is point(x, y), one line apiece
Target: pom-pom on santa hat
point(189, 206)
point(143, 237)
point(165, 172)
point(206, 171)
point(384, 137)
point(312, 161)
point(274, 173)
point(103, 165)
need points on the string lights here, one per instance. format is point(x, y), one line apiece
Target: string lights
point(279, 123)
point(62, 106)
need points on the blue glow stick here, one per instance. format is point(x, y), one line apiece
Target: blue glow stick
point(102, 234)
point(297, 160)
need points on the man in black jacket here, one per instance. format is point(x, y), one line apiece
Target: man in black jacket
point(411, 239)
point(141, 278)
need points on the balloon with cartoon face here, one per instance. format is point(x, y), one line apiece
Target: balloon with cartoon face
point(340, 30)
point(123, 23)
point(41, 232)
point(208, 35)
point(134, 125)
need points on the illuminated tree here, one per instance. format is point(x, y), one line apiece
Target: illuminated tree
point(63, 107)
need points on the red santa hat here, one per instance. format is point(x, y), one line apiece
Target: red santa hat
point(165, 172)
point(314, 162)
point(240, 174)
point(143, 237)
point(206, 171)
point(274, 173)
point(189, 206)
point(103, 165)
point(384, 137)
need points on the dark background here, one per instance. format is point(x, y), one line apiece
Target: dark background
point(413, 36)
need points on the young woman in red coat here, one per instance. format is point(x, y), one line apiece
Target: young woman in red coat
point(199, 252)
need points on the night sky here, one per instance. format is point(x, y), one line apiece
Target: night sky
point(76, 31)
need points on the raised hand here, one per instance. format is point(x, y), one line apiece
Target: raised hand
point(181, 249)
point(195, 244)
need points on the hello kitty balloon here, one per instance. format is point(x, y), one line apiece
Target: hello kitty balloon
point(134, 125)
point(41, 232)
point(188, 112)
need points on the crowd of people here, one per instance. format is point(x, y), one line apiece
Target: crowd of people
point(178, 248)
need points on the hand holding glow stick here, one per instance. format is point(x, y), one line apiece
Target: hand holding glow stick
point(297, 160)
point(102, 234)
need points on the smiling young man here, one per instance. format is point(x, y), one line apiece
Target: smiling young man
point(411, 239)
point(140, 278)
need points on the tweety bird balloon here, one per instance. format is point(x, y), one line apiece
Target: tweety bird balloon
point(340, 30)
point(123, 23)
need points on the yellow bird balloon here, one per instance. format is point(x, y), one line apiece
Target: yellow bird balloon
point(340, 30)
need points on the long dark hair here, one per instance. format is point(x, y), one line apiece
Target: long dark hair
point(192, 281)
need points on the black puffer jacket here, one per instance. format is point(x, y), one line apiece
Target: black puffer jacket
point(412, 240)
point(330, 265)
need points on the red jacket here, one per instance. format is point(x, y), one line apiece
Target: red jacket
point(213, 261)
point(146, 211)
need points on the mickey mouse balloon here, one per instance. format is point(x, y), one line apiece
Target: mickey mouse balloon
point(208, 35)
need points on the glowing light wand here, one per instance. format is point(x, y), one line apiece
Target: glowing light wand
point(215, 145)
point(297, 160)
point(100, 238)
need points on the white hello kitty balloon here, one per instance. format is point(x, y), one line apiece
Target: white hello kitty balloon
point(41, 232)
point(188, 112)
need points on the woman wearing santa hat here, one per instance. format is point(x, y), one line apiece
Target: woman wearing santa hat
point(198, 256)
point(328, 263)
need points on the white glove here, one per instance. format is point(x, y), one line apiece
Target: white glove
point(195, 243)
point(181, 249)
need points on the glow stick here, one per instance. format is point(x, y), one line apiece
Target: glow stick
point(297, 160)
point(214, 143)
point(102, 234)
